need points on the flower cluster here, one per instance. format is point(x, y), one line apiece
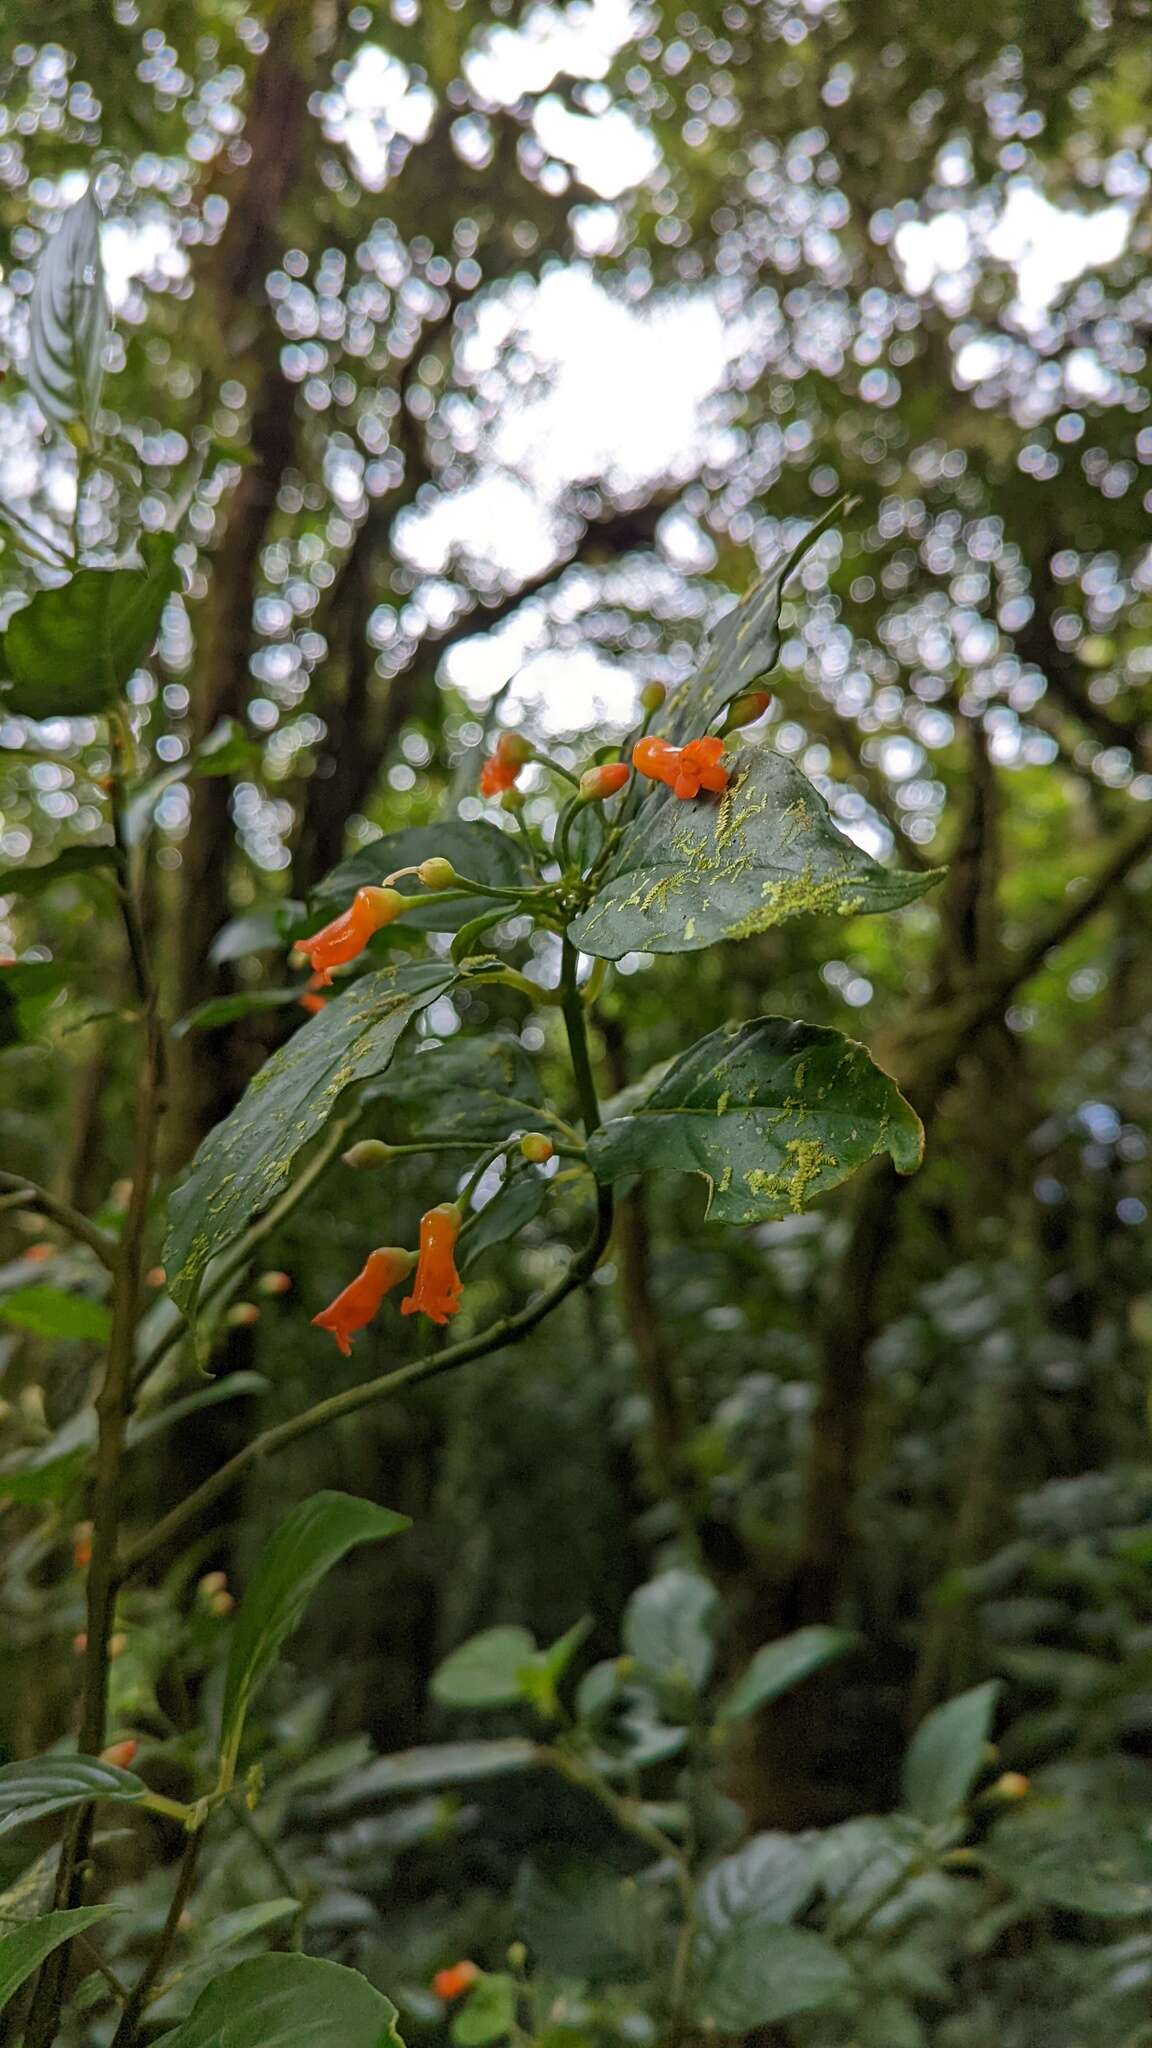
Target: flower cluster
point(436, 1288)
point(686, 770)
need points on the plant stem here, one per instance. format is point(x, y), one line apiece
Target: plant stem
point(34, 1197)
point(576, 1027)
point(127, 2033)
point(272, 1857)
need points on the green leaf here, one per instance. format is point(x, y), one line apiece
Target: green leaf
point(49, 1312)
point(1063, 1854)
point(741, 648)
point(27, 990)
point(946, 1753)
point(71, 649)
point(429, 1768)
point(517, 1201)
point(75, 860)
point(23, 1951)
point(288, 2001)
point(247, 1160)
point(47, 1784)
point(68, 321)
point(767, 1881)
point(488, 2014)
point(246, 1920)
point(688, 874)
point(482, 1088)
point(772, 1113)
point(668, 1628)
point(779, 1666)
point(479, 851)
point(863, 1861)
point(758, 1975)
point(257, 931)
point(485, 1671)
point(54, 1479)
point(220, 1010)
point(315, 1536)
point(226, 750)
point(579, 1919)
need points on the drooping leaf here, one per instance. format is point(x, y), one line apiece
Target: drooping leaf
point(741, 648)
point(772, 1113)
point(485, 1671)
point(49, 1312)
point(579, 1919)
point(479, 851)
point(480, 1088)
point(221, 1010)
point(75, 860)
point(315, 1536)
point(758, 1975)
point(767, 1881)
point(668, 1628)
point(256, 931)
point(688, 874)
point(23, 1951)
point(47, 1784)
point(247, 1160)
point(946, 1752)
point(429, 1768)
point(779, 1666)
point(288, 2001)
point(517, 1201)
point(488, 2013)
point(71, 649)
point(68, 321)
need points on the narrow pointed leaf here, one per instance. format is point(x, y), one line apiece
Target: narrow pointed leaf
point(315, 1536)
point(480, 1088)
point(247, 1160)
point(946, 1753)
point(23, 1951)
point(779, 1666)
point(48, 1784)
point(689, 874)
point(771, 1113)
point(68, 320)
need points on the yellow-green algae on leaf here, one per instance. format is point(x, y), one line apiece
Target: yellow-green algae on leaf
point(771, 1113)
point(689, 874)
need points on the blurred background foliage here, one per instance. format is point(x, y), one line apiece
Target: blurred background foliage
point(484, 352)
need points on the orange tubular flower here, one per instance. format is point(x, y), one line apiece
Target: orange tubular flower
point(360, 1300)
point(685, 770)
point(436, 1288)
point(347, 935)
point(450, 1984)
point(501, 768)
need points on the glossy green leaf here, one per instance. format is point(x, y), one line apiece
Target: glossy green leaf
point(485, 1671)
point(47, 1784)
point(758, 1975)
point(741, 648)
point(579, 1919)
point(488, 2013)
point(247, 1160)
point(767, 1881)
point(946, 1753)
point(71, 649)
point(689, 874)
point(480, 851)
point(49, 1312)
point(779, 1666)
point(288, 2001)
point(68, 321)
point(23, 1951)
point(668, 1628)
point(315, 1536)
point(517, 1201)
point(480, 1088)
point(75, 860)
point(771, 1113)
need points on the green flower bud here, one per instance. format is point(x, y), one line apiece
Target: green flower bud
point(366, 1154)
point(436, 873)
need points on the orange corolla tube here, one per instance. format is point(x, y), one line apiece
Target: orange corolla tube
point(436, 1289)
point(359, 1301)
point(685, 770)
point(503, 766)
point(347, 935)
point(452, 1983)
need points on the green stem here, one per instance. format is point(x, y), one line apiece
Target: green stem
point(128, 2032)
point(575, 1024)
point(238, 1807)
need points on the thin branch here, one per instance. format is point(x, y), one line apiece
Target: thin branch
point(128, 2031)
point(29, 1195)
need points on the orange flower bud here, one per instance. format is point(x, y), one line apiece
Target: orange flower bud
point(274, 1283)
point(452, 1983)
point(221, 1604)
point(120, 1753)
point(1012, 1785)
point(436, 1288)
point(82, 1546)
point(503, 766)
point(653, 696)
point(536, 1147)
point(596, 784)
point(212, 1582)
point(347, 935)
point(359, 1301)
point(242, 1315)
point(312, 1003)
point(80, 1644)
point(155, 1276)
point(116, 1647)
point(436, 873)
point(747, 709)
point(35, 1254)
